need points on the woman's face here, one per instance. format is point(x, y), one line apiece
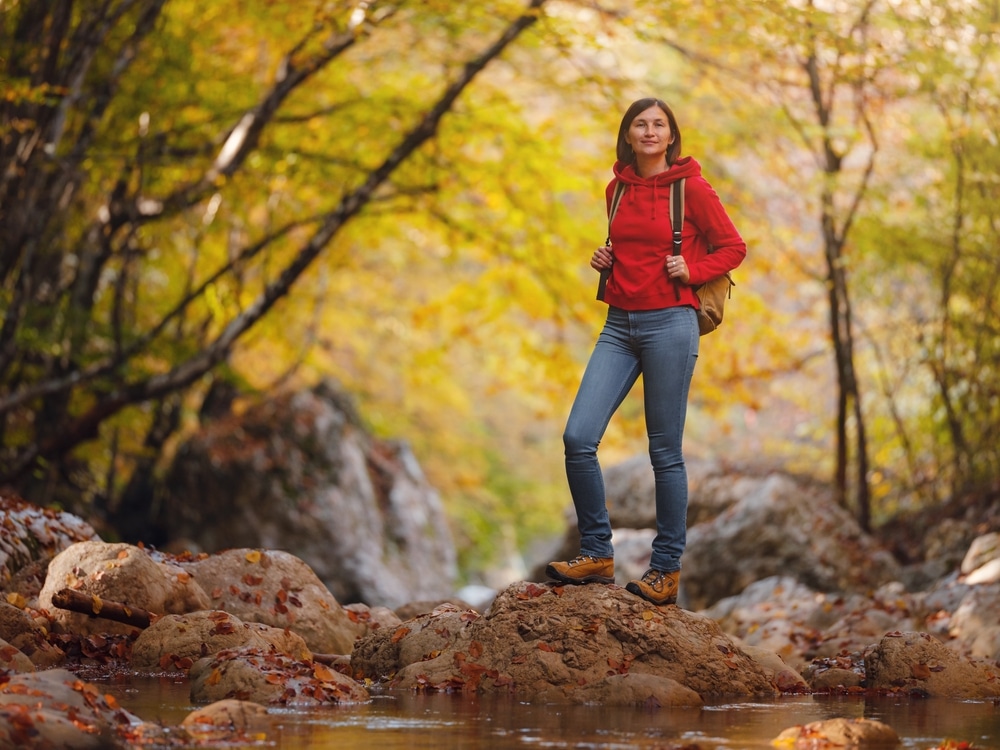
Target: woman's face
point(649, 134)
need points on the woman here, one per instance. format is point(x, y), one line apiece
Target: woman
point(652, 329)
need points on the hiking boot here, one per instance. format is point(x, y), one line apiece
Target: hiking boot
point(656, 586)
point(583, 569)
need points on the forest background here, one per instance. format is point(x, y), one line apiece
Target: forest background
point(246, 195)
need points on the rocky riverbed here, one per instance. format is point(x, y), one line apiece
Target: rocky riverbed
point(255, 628)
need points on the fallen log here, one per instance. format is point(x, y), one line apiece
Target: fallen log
point(94, 606)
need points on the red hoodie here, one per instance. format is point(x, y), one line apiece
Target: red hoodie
point(641, 238)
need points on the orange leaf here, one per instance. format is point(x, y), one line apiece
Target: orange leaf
point(542, 646)
point(323, 672)
point(400, 634)
point(253, 556)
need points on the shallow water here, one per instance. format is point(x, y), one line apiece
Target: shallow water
point(396, 720)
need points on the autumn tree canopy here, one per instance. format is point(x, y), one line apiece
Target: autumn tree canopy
point(198, 201)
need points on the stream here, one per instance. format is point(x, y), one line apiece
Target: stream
point(396, 720)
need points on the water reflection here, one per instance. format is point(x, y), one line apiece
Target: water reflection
point(407, 720)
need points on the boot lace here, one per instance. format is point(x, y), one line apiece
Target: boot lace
point(654, 578)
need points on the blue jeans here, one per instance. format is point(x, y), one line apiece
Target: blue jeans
point(662, 345)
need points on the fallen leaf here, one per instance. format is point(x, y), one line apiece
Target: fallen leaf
point(400, 634)
point(16, 600)
point(323, 672)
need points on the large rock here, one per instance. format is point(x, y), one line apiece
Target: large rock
point(974, 626)
point(269, 678)
point(120, 573)
point(549, 642)
point(19, 630)
point(227, 722)
point(278, 589)
point(29, 538)
point(782, 526)
point(919, 663)
point(299, 472)
point(178, 641)
point(55, 709)
point(832, 733)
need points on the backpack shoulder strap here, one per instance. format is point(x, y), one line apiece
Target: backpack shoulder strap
point(613, 208)
point(677, 212)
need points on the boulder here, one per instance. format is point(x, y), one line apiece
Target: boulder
point(12, 660)
point(984, 550)
point(278, 589)
point(548, 642)
point(831, 733)
point(833, 679)
point(784, 677)
point(918, 663)
point(299, 472)
point(55, 708)
point(227, 721)
point(974, 626)
point(121, 573)
point(269, 678)
point(21, 632)
point(444, 629)
point(782, 526)
point(175, 642)
point(29, 538)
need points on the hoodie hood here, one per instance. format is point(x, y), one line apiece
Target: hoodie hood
point(686, 166)
point(646, 191)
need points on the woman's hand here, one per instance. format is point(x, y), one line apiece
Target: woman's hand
point(602, 258)
point(677, 268)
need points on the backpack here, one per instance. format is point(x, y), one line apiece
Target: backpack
point(712, 295)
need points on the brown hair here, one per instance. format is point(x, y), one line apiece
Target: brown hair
point(624, 150)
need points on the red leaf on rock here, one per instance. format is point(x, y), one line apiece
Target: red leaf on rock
point(542, 646)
